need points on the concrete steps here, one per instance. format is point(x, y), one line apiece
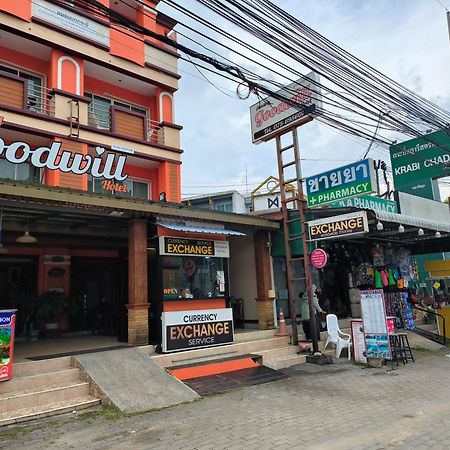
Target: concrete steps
point(42, 389)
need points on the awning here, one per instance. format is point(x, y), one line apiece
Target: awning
point(196, 229)
point(416, 222)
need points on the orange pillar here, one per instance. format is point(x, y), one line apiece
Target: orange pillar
point(263, 281)
point(137, 283)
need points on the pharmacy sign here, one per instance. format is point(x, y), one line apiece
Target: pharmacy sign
point(352, 180)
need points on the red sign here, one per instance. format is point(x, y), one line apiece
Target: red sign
point(7, 323)
point(319, 258)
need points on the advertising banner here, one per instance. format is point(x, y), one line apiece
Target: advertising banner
point(270, 116)
point(345, 225)
point(352, 180)
point(420, 159)
point(367, 202)
point(376, 334)
point(172, 246)
point(359, 346)
point(67, 20)
point(184, 330)
point(7, 326)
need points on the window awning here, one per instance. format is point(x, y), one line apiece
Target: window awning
point(196, 229)
point(417, 222)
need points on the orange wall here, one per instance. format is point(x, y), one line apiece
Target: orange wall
point(193, 305)
point(68, 80)
point(127, 45)
point(141, 173)
point(18, 8)
point(27, 62)
point(109, 90)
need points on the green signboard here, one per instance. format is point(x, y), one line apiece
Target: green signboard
point(352, 180)
point(367, 202)
point(421, 158)
point(426, 188)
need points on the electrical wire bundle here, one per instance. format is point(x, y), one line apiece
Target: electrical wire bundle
point(356, 98)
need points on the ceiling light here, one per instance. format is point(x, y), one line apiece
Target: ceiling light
point(401, 228)
point(437, 234)
point(380, 226)
point(26, 238)
point(420, 232)
point(116, 213)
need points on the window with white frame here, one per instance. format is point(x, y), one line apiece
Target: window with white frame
point(100, 110)
point(34, 87)
point(19, 172)
point(134, 188)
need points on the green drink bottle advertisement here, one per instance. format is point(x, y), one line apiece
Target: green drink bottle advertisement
point(7, 326)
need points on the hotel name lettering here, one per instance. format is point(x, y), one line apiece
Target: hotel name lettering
point(176, 246)
point(101, 164)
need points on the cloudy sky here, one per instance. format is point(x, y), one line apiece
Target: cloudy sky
point(406, 40)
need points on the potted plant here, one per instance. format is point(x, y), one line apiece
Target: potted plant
point(53, 309)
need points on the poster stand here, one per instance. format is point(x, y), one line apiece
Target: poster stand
point(375, 326)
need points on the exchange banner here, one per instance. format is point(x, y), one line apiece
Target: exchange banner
point(345, 225)
point(184, 330)
point(172, 246)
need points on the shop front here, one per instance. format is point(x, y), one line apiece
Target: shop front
point(375, 250)
point(196, 311)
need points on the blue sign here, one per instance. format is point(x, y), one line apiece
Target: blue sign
point(6, 316)
point(352, 180)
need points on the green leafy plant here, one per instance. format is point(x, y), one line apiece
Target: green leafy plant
point(51, 306)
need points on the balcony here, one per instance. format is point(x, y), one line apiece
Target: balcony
point(19, 95)
point(17, 92)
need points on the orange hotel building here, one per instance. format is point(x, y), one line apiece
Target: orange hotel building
point(90, 191)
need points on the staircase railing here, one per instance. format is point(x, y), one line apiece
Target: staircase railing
point(441, 339)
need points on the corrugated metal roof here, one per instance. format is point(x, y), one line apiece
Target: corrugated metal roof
point(205, 230)
point(417, 222)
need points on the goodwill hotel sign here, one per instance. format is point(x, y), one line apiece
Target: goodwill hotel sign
point(192, 329)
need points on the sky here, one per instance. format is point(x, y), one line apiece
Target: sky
point(406, 40)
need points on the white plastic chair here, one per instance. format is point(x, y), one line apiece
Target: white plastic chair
point(337, 337)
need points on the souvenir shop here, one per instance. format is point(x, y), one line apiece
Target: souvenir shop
point(375, 250)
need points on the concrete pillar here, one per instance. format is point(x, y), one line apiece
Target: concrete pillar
point(137, 283)
point(263, 282)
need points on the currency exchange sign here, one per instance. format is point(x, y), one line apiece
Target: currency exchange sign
point(352, 180)
point(421, 158)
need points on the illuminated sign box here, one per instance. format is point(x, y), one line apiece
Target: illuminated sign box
point(184, 330)
point(172, 246)
point(346, 225)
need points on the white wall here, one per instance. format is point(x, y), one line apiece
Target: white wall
point(243, 275)
point(239, 203)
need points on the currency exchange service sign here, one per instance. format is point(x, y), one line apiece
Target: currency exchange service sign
point(352, 180)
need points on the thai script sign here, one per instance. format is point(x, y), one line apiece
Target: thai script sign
point(193, 247)
point(367, 202)
point(339, 226)
point(69, 21)
point(53, 158)
point(421, 158)
point(272, 115)
point(194, 329)
point(344, 182)
point(7, 325)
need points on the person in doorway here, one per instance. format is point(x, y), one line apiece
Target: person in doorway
point(324, 303)
point(102, 318)
point(306, 315)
